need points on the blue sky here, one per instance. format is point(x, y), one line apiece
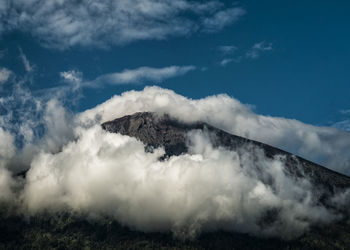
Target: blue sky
point(67, 66)
point(286, 58)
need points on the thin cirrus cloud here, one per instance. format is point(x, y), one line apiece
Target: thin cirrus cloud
point(4, 75)
point(225, 61)
point(27, 65)
point(252, 53)
point(73, 77)
point(227, 49)
point(257, 49)
point(62, 24)
point(345, 111)
point(342, 125)
point(141, 75)
point(222, 19)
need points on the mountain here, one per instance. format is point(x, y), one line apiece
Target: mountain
point(66, 230)
point(156, 131)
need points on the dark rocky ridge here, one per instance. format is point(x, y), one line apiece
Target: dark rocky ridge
point(155, 131)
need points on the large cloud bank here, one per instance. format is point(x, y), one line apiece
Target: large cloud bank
point(63, 23)
point(110, 174)
point(324, 145)
point(76, 166)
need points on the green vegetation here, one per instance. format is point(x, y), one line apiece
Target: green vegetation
point(68, 232)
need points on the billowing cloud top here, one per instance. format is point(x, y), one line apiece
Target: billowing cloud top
point(63, 23)
point(324, 145)
point(76, 166)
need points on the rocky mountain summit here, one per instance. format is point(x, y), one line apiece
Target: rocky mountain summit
point(155, 131)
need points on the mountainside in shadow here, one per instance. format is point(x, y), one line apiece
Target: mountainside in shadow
point(156, 131)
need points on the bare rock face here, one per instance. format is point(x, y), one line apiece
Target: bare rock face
point(156, 131)
point(153, 131)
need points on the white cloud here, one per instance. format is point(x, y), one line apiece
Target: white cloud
point(73, 77)
point(62, 23)
point(140, 75)
point(7, 148)
point(7, 151)
point(343, 125)
point(225, 61)
point(228, 60)
point(253, 53)
point(4, 75)
point(324, 145)
point(75, 165)
point(222, 19)
point(227, 49)
point(262, 46)
point(104, 174)
point(27, 65)
point(257, 49)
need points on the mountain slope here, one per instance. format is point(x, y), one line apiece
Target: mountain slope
point(156, 131)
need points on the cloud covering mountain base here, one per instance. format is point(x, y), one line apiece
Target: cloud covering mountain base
point(75, 166)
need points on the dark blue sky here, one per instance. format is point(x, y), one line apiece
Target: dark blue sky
point(287, 58)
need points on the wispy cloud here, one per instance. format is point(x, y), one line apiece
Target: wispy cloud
point(141, 75)
point(345, 111)
point(63, 24)
point(252, 53)
point(4, 75)
point(73, 77)
point(225, 61)
point(344, 122)
point(227, 49)
point(222, 19)
point(257, 49)
point(27, 65)
point(342, 125)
